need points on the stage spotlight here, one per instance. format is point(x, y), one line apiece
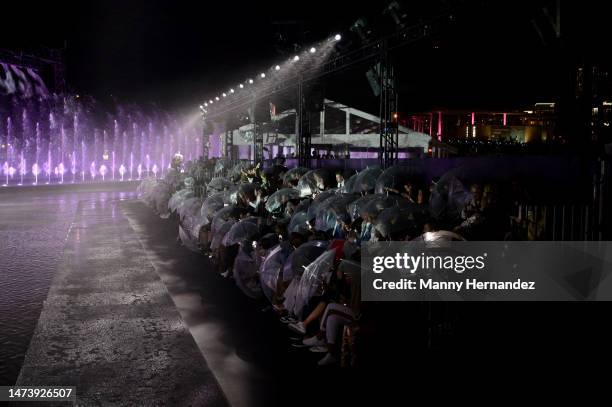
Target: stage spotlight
point(277, 67)
point(251, 81)
point(296, 58)
point(205, 104)
point(232, 90)
point(337, 37)
point(224, 95)
point(241, 86)
point(201, 107)
point(313, 50)
point(262, 75)
point(217, 98)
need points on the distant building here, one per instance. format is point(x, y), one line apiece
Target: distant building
point(536, 124)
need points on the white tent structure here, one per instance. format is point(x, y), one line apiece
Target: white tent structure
point(339, 125)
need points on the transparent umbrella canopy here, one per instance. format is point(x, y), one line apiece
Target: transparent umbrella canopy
point(271, 268)
point(246, 193)
point(246, 266)
point(315, 276)
point(349, 184)
point(365, 181)
point(178, 198)
point(394, 178)
point(292, 176)
point(401, 219)
point(315, 181)
point(219, 184)
point(448, 197)
point(333, 210)
point(298, 222)
point(211, 205)
point(354, 208)
point(279, 198)
point(242, 232)
point(316, 203)
point(375, 206)
point(301, 257)
point(236, 172)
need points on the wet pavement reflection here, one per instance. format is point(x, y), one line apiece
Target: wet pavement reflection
point(34, 224)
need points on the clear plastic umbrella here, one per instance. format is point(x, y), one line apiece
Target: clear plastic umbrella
point(161, 196)
point(355, 207)
point(280, 198)
point(365, 181)
point(211, 205)
point(375, 206)
point(220, 232)
point(315, 181)
point(301, 257)
point(238, 169)
point(315, 276)
point(298, 222)
point(246, 266)
point(394, 178)
point(333, 210)
point(402, 220)
point(271, 268)
point(222, 215)
point(219, 184)
point(316, 203)
point(448, 197)
point(246, 193)
point(349, 184)
point(178, 197)
point(242, 232)
point(292, 176)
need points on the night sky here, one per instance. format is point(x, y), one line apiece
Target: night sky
point(177, 52)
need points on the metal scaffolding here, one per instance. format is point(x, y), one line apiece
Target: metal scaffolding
point(228, 145)
point(389, 129)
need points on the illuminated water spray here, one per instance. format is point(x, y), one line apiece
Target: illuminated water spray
point(35, 172)
point(103, 171)
point(92, 170)
point(61, 170)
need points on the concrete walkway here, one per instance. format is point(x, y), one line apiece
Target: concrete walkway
point(109, 326)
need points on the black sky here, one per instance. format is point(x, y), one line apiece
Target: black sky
point(179, 51)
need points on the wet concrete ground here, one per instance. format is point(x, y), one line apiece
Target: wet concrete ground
point(109, 326)
point(131, 317)
point(34, 224)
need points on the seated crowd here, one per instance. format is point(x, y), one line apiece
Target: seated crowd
point(293, 236)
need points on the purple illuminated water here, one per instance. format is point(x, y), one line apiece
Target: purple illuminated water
point(72, 139)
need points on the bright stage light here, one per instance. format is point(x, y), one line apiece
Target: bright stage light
point(262, 75)
point(241, 86)
point(224, 94)
point(205, 104)
point(277, 67)
point(217, 98)
point(201, 107)
point(232, 90)
point(338, 37)
point(210, 101)
point(296, 58)
point(313, 50)
point(251, 81)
